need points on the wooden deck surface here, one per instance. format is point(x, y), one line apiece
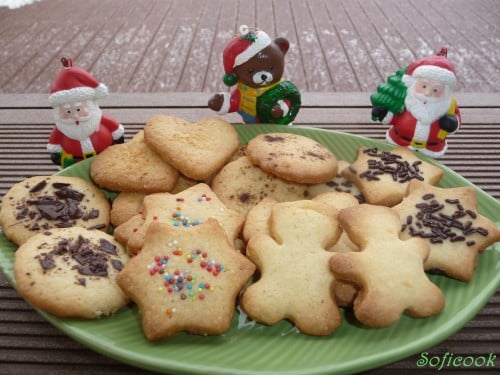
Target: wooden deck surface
point(176, 45)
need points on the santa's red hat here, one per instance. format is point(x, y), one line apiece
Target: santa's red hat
point(436, 67)
point(242, 48)
point(73, 84)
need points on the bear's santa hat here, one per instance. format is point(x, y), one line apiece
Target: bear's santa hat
point(73, 84)
point(242, 48)
point(436, 67)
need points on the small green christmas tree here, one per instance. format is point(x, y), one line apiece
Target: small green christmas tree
point(391, 94)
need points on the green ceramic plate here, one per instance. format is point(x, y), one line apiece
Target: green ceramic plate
point(280, 349)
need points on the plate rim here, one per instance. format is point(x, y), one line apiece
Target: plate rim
point(370, 362)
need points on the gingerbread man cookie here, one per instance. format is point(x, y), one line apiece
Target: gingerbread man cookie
point(389, 272)
point(295, 282)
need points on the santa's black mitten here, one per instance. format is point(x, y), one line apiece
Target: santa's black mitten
point(56, 158)
point(379, 113)
point(119, 140)
point(448, 123)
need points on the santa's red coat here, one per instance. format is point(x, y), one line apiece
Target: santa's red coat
point(404, 126)
point(108, 131)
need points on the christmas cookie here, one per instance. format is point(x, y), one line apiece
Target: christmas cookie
point(242, 185)
point(186, 209)
point(186, 280)
point(388, 271)
point(382, 176)
point(132, 167)
point(448, 220)
point(41, 203)
point(198, 150)
point(295, 282)
point(292, 157)
point(124, 206)
point(337, 184)
point(70, 272)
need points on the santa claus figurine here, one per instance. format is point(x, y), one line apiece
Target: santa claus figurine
point(81, 130)
point(425, 112)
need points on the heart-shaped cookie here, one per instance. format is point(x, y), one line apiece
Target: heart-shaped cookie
point(198, 150)
point(133, 167)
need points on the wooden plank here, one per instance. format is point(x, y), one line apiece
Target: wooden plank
point(195, 65)
point(200, 99)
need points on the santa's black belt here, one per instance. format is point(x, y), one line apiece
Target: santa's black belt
point(410, 140)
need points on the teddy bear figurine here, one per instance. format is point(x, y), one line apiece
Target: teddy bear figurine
point(254, 64)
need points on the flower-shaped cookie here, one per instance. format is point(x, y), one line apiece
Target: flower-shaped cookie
point(382, 176)
point(185, 280)
point(448, 219)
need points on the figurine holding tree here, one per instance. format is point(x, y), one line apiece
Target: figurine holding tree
point(419, 105)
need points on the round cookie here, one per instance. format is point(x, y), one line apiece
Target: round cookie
point(70, 272)
point(292, 157)
point(41, 203)
point(240, 185)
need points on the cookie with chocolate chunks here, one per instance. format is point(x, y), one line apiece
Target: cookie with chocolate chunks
point(70, 272)
point(41, 203)
point(383, 176)
point(292, 157)
point(447, 219)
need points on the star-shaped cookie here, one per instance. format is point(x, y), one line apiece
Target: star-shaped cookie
point(185, 280)
point(295, 282)
point(448, 219)
point(389, 272)
point(186, 209)
point(382, 176)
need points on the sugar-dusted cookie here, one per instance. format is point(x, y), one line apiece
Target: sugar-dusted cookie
point(70, 272)
point(337, 184)
point(44, 202)
point(292, 157)
point(186, 280)
point(389, 272)
point(132, 166)
point(186, 209)
point(124, 206)
point(448, 219)
point(295, 282)
point(382, 176)
point(241, 185)
point(198, 150)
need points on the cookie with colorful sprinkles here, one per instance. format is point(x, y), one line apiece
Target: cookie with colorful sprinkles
point(448, 219)
point(186, 209)
point(382, 176)
point(186, 280)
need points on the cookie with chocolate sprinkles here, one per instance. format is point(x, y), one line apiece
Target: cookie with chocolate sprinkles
point(448, 219)
point(42, 203)
point(70, 272)
point(383, 176)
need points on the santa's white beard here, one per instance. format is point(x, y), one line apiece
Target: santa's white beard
point(85, 128)
point(425, 109)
